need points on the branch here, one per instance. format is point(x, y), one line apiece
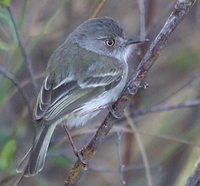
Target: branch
point(142, 19)
point(141, 148)
point(121, 165)
point(9, 76)
point(98, 8)
point(183, 86)
point(182, 7)
point(27, 60)
point(165, 107)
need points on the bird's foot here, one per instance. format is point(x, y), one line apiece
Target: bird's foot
point(118, 114)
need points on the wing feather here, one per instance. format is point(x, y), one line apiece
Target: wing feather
point(100, 75)
point(69, 91)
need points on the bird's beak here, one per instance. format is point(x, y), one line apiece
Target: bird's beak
point(130, 40)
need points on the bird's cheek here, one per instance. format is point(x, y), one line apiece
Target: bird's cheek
point(127, 52)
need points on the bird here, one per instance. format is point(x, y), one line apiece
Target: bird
point(84, 75)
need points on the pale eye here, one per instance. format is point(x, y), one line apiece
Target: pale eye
point(109, 42)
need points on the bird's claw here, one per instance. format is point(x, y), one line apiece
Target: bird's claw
point(115, 113)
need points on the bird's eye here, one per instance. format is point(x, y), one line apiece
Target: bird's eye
point(109, 42)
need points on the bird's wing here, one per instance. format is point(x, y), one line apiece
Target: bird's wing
point(62, 97)
point(100, 73)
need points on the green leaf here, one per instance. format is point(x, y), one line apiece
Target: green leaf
point(5, 3)
point(7, 153)
point(3, 45)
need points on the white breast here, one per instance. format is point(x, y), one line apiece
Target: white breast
point(93, 107)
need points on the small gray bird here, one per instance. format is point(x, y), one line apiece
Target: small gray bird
point(85, 74)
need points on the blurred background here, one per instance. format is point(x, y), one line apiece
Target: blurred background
point(162, 147)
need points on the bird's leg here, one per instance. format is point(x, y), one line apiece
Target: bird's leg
point(118, 112)
point(75, 150)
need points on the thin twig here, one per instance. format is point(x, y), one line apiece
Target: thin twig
point(37, 14)
point(125, 129)
point(75, 150)
point(186, 84)
point(121, 165)
point(165, 107)
point(141, 147)
point(142, 19)
point(182, 7)
point(18, 180)
point(9, 76)
point(27, 60)
point(157, 19)
point(98, 8)
point(22, 84)
point(155, 167)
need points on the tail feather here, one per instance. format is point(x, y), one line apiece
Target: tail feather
point(34, 160)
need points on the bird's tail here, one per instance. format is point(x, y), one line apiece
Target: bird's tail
point(33, 161)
